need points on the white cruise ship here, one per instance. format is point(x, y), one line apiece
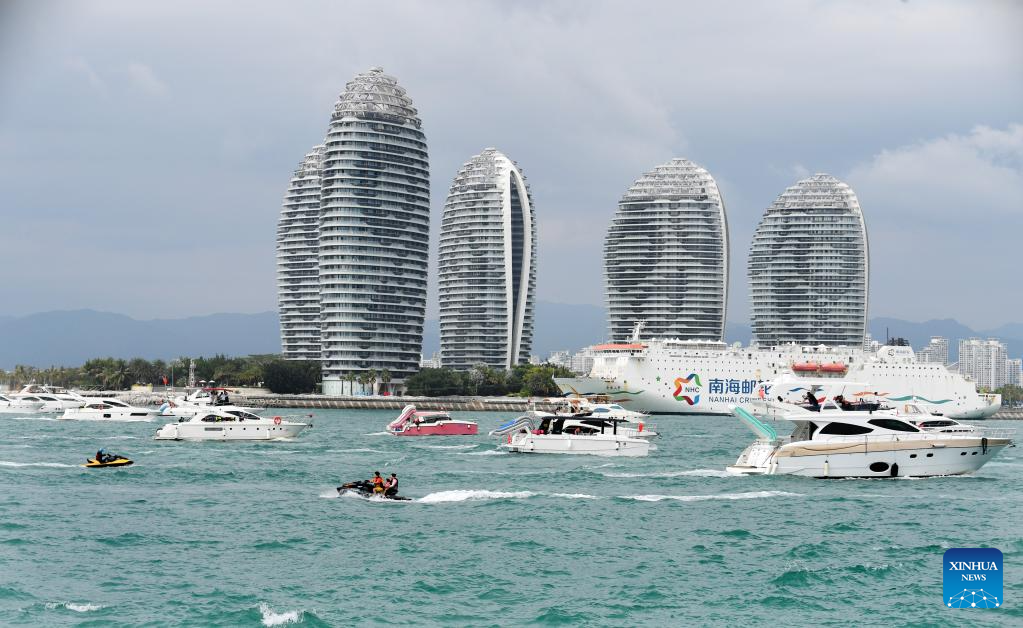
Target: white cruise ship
point(699, 377)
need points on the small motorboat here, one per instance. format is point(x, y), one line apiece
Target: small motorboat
point(364, 488)
point(563, 435)
point(412, 422)
point(108, 460)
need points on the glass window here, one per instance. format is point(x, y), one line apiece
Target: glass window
point(893, 424)
point(845, 429)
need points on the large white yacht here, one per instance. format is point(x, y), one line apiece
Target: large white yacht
point(107, 409)
point(697, 377)
point(54, 398)
point(831, 442)
point(21, 405)
point(231, 423)
point(568, 435)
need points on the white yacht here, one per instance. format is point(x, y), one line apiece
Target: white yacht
point(107, 409)
point(54, 398)
point(581, 412)
point(570, 435)
point(231, 423)
point(22, 405)
point(834, 443)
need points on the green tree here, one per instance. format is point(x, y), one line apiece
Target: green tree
point(291, 377)
point(435, 383)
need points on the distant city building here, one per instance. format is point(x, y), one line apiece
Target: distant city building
point(666, 256)
point(935, 352)
point(535, 360)
point(984, 361)
point(560, 358)
point(432, 362)
point(298, 282)
point(809, 267)
point(1014, 371)
point(487, 265)
point(374, 233)
point(869, 344)
point(582, 362)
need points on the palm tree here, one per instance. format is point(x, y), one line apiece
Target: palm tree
point(385, 377)
point(350, 376)
point(372, 377)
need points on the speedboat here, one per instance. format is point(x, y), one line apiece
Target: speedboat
point(553, 437)
point(232, 424)
point(364, 488)
point(839, 443)
point(107, 409)
point(584, 413)
point(19, 406)
point(412, 422)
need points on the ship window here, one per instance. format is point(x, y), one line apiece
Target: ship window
point(879, 467)
point(845, 429)
point(912, 455)
point(930, 455)
point(893, 424)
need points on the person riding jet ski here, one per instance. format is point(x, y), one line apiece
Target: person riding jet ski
point(368, 488)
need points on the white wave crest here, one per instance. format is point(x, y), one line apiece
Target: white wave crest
point(464, 495)
point(273, 618)
point(700, 473)
point(445, 446)
point(329, 494)
point(700, 498)
point(52, 465)
point(32, 418)
point(378, 434)
point(361, 450)
point(486, 452)
point(119, 438)
point(574, 495)
point(72, 606)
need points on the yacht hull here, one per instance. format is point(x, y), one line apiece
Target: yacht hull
point(574, 444)
point(445, 429)
point(229, 432)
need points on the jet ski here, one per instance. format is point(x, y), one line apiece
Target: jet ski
point(364, 488)
point(109, 460)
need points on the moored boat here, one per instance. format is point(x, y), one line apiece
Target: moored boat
point(412, 422)
point(105, 409)
point(553, 436)
point(217, 424)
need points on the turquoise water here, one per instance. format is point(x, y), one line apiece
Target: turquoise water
point(237, 534)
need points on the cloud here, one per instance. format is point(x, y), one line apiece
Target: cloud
point(84, 69)
point(978, 175)
point(144, 78)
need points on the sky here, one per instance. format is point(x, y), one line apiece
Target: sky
point(145, 147)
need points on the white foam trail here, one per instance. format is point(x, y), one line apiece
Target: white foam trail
point(486, 452)
point(53, 465)
point(700, 473)
point(463, 495)
point(119, 438)
point(33, 418)
point(273, 618)
point(329, 494)
point(445, 446)
point(700, 498)
point(72, 606)
point(378, 434)
point(362, 450)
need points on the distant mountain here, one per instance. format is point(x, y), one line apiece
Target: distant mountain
point(919, 334)
point(69, 338)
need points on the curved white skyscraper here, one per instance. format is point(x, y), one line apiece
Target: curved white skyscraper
point(809, 267)
point(298, 283)
point(487, 265)
point(666, 256)
point(374, 233)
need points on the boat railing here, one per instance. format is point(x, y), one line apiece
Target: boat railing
point(997, 432)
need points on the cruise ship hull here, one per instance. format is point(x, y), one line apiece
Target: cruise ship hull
point(674, 378)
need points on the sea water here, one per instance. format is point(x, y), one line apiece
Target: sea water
point(236, 534)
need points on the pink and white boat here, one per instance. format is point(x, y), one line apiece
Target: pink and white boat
point(411, 422)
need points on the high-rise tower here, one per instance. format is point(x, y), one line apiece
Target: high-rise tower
point(487, 265)
point(809, 267)
point(666, 256)
point(298, 240)
point(374, 233)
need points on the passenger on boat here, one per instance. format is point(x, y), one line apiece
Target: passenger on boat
point(378, 482)
point(811, 399)
point(391, 486)
point(843, 403)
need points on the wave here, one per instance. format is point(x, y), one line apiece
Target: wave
point(574, 495)
point(33, 418)
point(486, 452)
point(442, 497)
point(378, 434)
point(701, 473)
point(270, 617)
point(329, 494)
point(700, 498)
point(119, 438)
point(73, 606)
point(52, 465)
point(445, 446)
point(361, 450)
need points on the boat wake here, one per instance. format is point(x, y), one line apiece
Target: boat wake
point(700, 498)
point(449, 447)
point(486, 452)
point(33, 418)
point(443, 497)
point(378, 434)
point(270, 617)
point(361, 450)
point(51, 465)
point(700, 473)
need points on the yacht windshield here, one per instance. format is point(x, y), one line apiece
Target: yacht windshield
point(893, 424)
